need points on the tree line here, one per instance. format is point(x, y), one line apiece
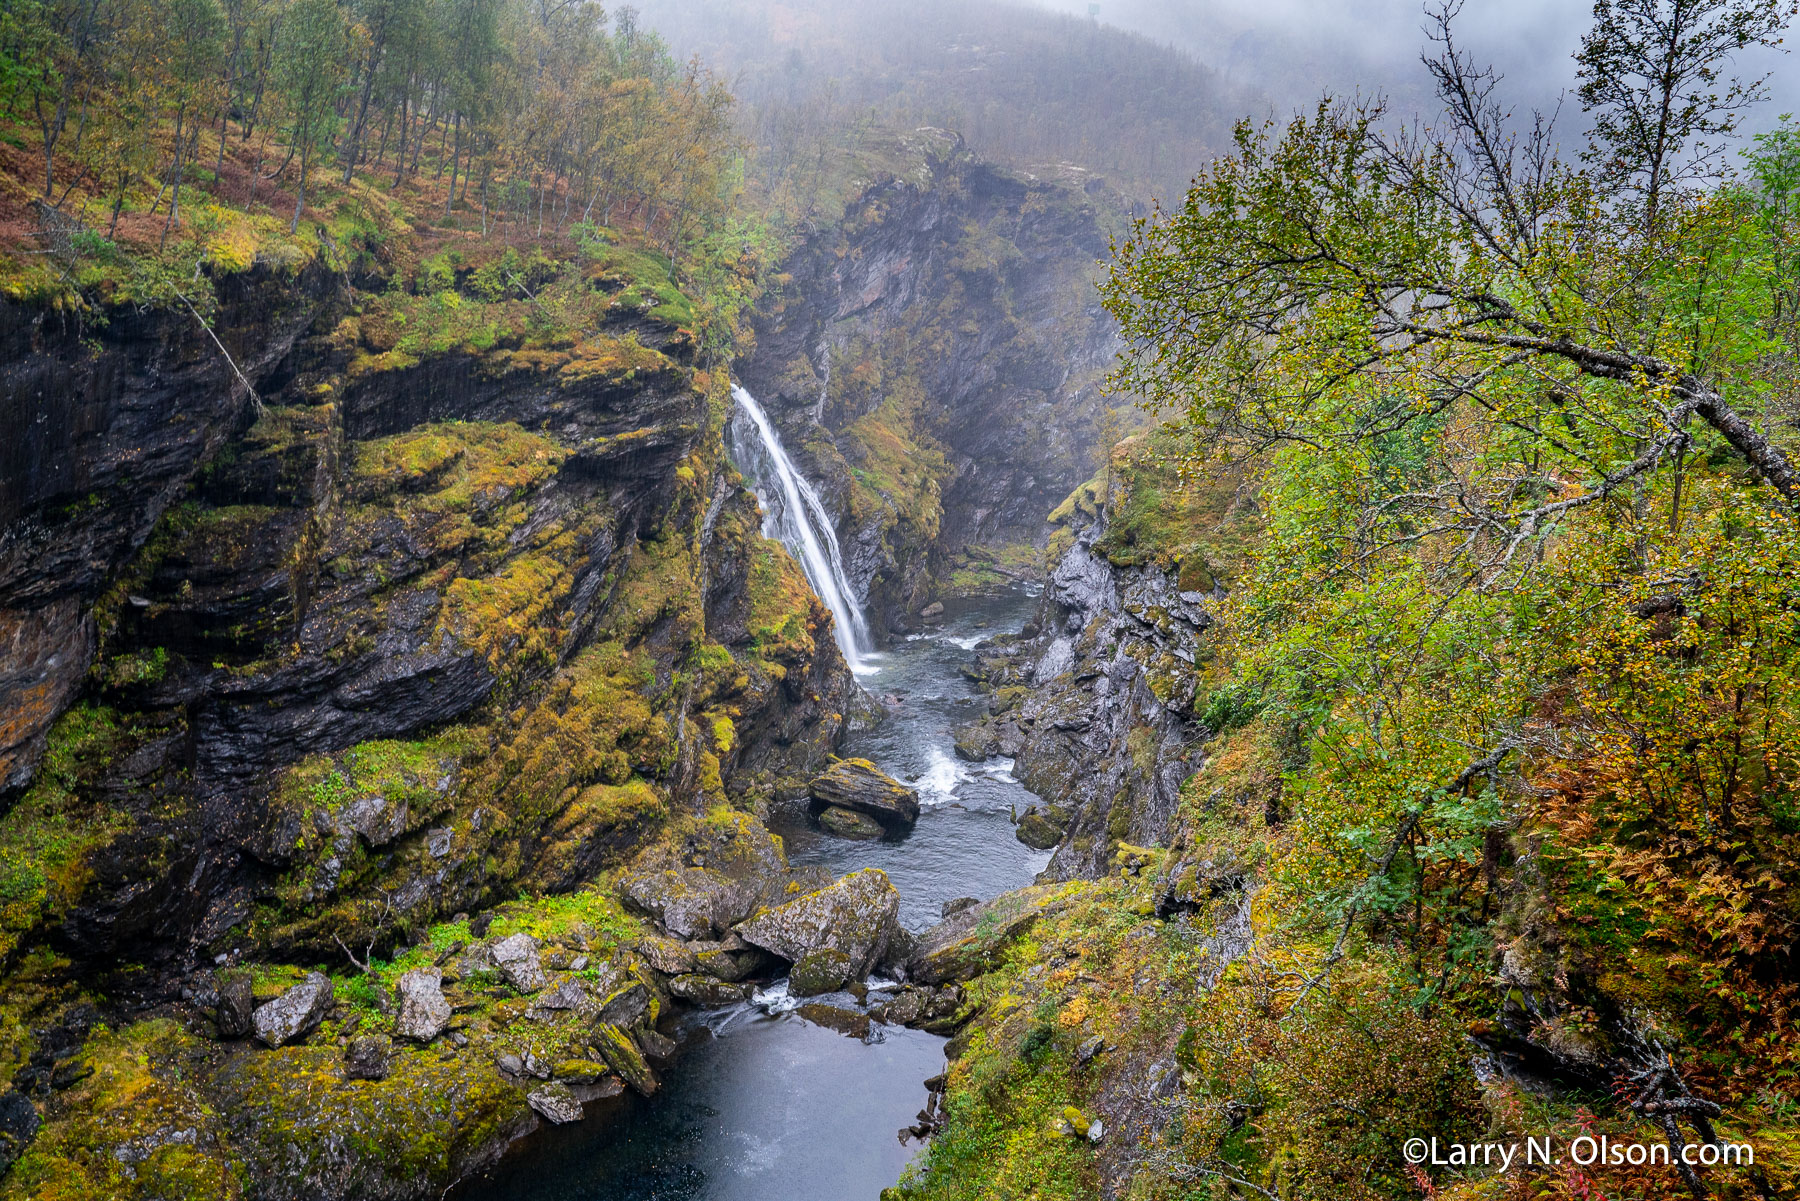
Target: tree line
point(536, 112)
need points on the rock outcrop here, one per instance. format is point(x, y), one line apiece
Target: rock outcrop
point(858, 786)
point(857, 916)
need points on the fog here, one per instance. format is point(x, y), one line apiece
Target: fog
point(1289, 50)
point(1143, 92)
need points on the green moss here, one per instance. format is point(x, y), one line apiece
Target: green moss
point(49, 835)
point(295, 1116)
point(136, 1128)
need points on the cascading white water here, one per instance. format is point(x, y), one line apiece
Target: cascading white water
point(794, 516)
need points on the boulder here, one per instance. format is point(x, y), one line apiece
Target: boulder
point(844, 1021)
point(423, 1011)
point(847, 823)
point(657, 1047)
point(622, 1055)
point(555, 1103)
point(571, 996)
point(581, 1071)
point(517, 958)
point(733, 960)
point(367, 1058)
point(923, 1007)
point(667, 956)
point(976, 742)
point(858, 915)
point(860, 786)
point(1042, 828)
point(822, 971)
point(235, 1005)
point(626, 1004)
point(698, 989)
point(972, 940)
point(689, 902)
point(295, 1014)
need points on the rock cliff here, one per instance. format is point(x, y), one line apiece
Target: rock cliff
point(935, 359)
point(384, 608)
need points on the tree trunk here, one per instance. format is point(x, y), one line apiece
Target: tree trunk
point(300, 193)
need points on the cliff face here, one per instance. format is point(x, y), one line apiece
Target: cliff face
point(1097, 702)
point(99, 443)
point(304, 678)
point(936, 359)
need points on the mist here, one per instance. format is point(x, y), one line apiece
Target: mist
point(1143, 92)
point(1289, 51)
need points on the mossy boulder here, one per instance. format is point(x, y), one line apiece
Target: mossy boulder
point(822, 971)
point(689, 902)
point(860, 786)
point(1042, 828)
point(733, 960)
point(621, 1054)
point(705, 991)
point(580, 1071)
point(971, 941)
point(848, 823)
point(858, 915)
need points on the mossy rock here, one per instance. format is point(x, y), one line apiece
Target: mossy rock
point(847, 823)
point(622, 1056)
point(580, 1071)
point(823, 971)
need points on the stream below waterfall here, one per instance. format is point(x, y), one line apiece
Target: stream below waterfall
point(763, 1105)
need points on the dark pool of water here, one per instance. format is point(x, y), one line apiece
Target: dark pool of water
point(770, 1107)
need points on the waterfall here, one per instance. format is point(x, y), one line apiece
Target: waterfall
point(794, 516)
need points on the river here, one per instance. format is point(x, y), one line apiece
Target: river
point(762, 1105)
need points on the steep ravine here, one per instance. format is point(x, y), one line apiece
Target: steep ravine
point(389, 741)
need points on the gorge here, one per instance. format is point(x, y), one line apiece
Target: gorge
point(876, 601)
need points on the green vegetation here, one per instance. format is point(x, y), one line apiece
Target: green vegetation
point(48, 835)
point(1494, 455)
point(210, 136)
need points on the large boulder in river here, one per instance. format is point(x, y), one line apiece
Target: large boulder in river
point(296, 1013)
point(861, 787)
point(858, 915)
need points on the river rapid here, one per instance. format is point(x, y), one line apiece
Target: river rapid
point(763, 1105)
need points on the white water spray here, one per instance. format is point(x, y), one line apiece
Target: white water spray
point(794, 516)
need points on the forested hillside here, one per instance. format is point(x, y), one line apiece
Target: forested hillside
point(1441, 657)
point(150, 141)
